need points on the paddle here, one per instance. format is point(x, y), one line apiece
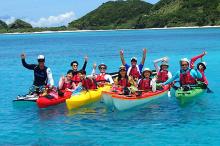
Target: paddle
point(209, 90)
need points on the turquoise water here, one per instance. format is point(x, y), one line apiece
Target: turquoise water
point(162, 122)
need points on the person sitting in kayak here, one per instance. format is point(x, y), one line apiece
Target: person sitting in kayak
point(102, 78)
point(123, 80)
point(162, 72)
point(87, 83)
point(186, 75)
point(134, 70)
point(146, 83)
point(201, 66)
point(66, 81)
point(41, 74)
point(74, 65)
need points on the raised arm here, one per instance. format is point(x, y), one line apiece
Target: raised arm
point(193, 60)
point(144, 56)
point(50, 77)
point(157, 61)
point(85, 63)
point(28, 66)
point(122, 57)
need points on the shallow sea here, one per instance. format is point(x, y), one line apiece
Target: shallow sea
point(163, 122)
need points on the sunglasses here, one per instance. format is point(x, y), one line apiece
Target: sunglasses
point(75, 65)
point(184, 64)
point(40, 60)
point(122, 70)
point(102, 68)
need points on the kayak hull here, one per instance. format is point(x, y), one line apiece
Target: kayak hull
point(85, 98)
point(122, 102)
point(187, 96)
point(44, 102)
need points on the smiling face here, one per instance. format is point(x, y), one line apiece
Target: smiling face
point(123, 73)
point(75, 66)
point(164, 67)
point(102, 69)
point(69, 76)
point(184, 65)
point(133, 63)
point(41, 63)
point(147, 74)
point(201, 67)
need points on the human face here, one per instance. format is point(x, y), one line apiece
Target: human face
point(201, 67)
point(184, 65)
point(133, 63)
point(123, 72)
point(147, 74)
point(75, 66)
point(41, 64)
point(69, 76)
point(164, 67)
point(82, 76)
point(102, 69)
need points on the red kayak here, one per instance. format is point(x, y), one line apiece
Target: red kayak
point(52, 99)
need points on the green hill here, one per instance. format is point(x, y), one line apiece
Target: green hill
point(183, 13)
point(20, 24)
point(140, 14)
point(113, 15)
point(3, 25)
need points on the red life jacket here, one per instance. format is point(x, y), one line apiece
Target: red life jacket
point(144, 84)
point(162, 76)
point(101, 78)
point(134, 72)
point(187, 79)
point(67, 85)
point(124, 82)
point(89, 84)
point(76, 79)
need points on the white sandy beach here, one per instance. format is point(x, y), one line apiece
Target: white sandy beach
point(70, 31)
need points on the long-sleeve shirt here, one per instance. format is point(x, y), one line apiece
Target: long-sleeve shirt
point(158, 68)
point(194, 73)
point(83, 68)
point(41, 76)
point(193, 60)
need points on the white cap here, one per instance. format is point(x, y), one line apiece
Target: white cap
point(133, 58)
point(40, 57)
point(147, 69)
point(185, 60)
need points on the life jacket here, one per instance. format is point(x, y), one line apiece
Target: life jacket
point(203, 77)
point(40, 76)
point(67, 85)
point(134, 72)
point(144, 84)
point(101, 78)
point(162, 76)
point(124, 82)
point(76, 79)
point(187, 79)
point(89, 84)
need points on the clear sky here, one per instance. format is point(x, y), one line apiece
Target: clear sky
point(48, 12)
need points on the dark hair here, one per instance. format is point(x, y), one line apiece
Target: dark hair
point(119, 76)
point(200, 63)
point(71, 64)
point(82, 72)
point(69, 71)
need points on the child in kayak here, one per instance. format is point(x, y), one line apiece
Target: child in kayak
point(162, 72)
point(134, 70)
point(200, 66)
point(102, 78)
point(146, 83)
point(87, 83)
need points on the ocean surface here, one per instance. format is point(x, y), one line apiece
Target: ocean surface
point(162, 122)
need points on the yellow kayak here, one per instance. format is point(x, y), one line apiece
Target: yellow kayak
point(85, 97)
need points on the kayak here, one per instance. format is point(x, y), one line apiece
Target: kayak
point(122, 102)
point(86, 97)
point(31, 98)
point(187, 96)
point(52, 99)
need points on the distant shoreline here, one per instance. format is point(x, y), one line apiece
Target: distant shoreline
point(69, 31)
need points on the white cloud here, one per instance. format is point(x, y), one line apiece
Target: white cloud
point(62, 19)
point(8, 19)
point(59, 20)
